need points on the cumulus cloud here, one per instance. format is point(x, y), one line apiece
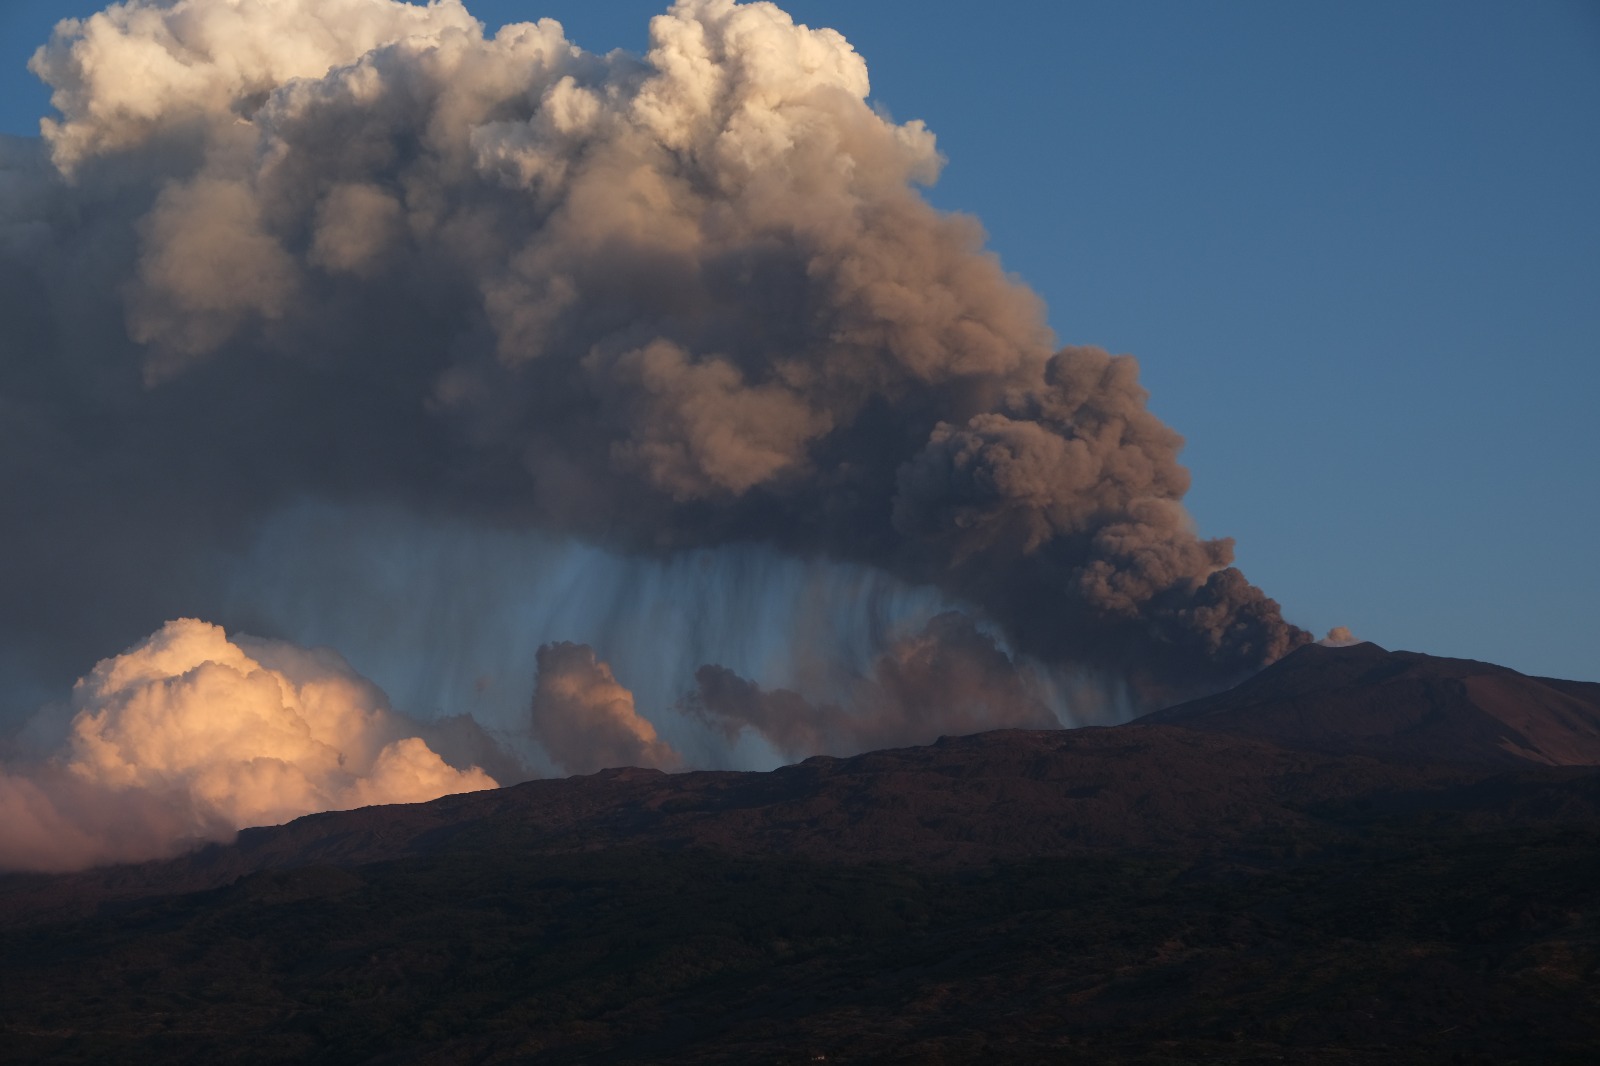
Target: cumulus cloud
point(355, 250)
point(190, 735)
point(56, 821)
point(585, 720)
point(949, 679)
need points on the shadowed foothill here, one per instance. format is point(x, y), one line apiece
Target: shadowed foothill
point(1168, 890)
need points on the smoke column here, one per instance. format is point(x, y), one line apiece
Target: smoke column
point(585, 720)
point(353, 254)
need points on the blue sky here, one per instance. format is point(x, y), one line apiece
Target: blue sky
point(1355, 246)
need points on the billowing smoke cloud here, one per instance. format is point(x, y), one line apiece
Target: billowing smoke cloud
point(188, 736)
point(1339, 637)
point(948, 679)
point(585, 720)
point(354, 251)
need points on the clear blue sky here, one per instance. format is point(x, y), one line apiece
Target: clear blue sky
point(1355, 246)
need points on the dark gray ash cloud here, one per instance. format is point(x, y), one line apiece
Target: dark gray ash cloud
point(949, 679)
point(353, 250)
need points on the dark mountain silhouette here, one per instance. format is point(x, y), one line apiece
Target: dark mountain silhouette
point(1371, 875)
point(1362, 699)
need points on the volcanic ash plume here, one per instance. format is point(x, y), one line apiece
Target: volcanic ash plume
point(948, 679)
point(353, 250)
point(585, 720)
point(189, 736)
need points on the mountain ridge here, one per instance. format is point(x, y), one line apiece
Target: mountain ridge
point(1153, 892)
point(1363, 699)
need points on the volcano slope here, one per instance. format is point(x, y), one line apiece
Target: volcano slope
point(1181, 888)
point(1402, 705)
